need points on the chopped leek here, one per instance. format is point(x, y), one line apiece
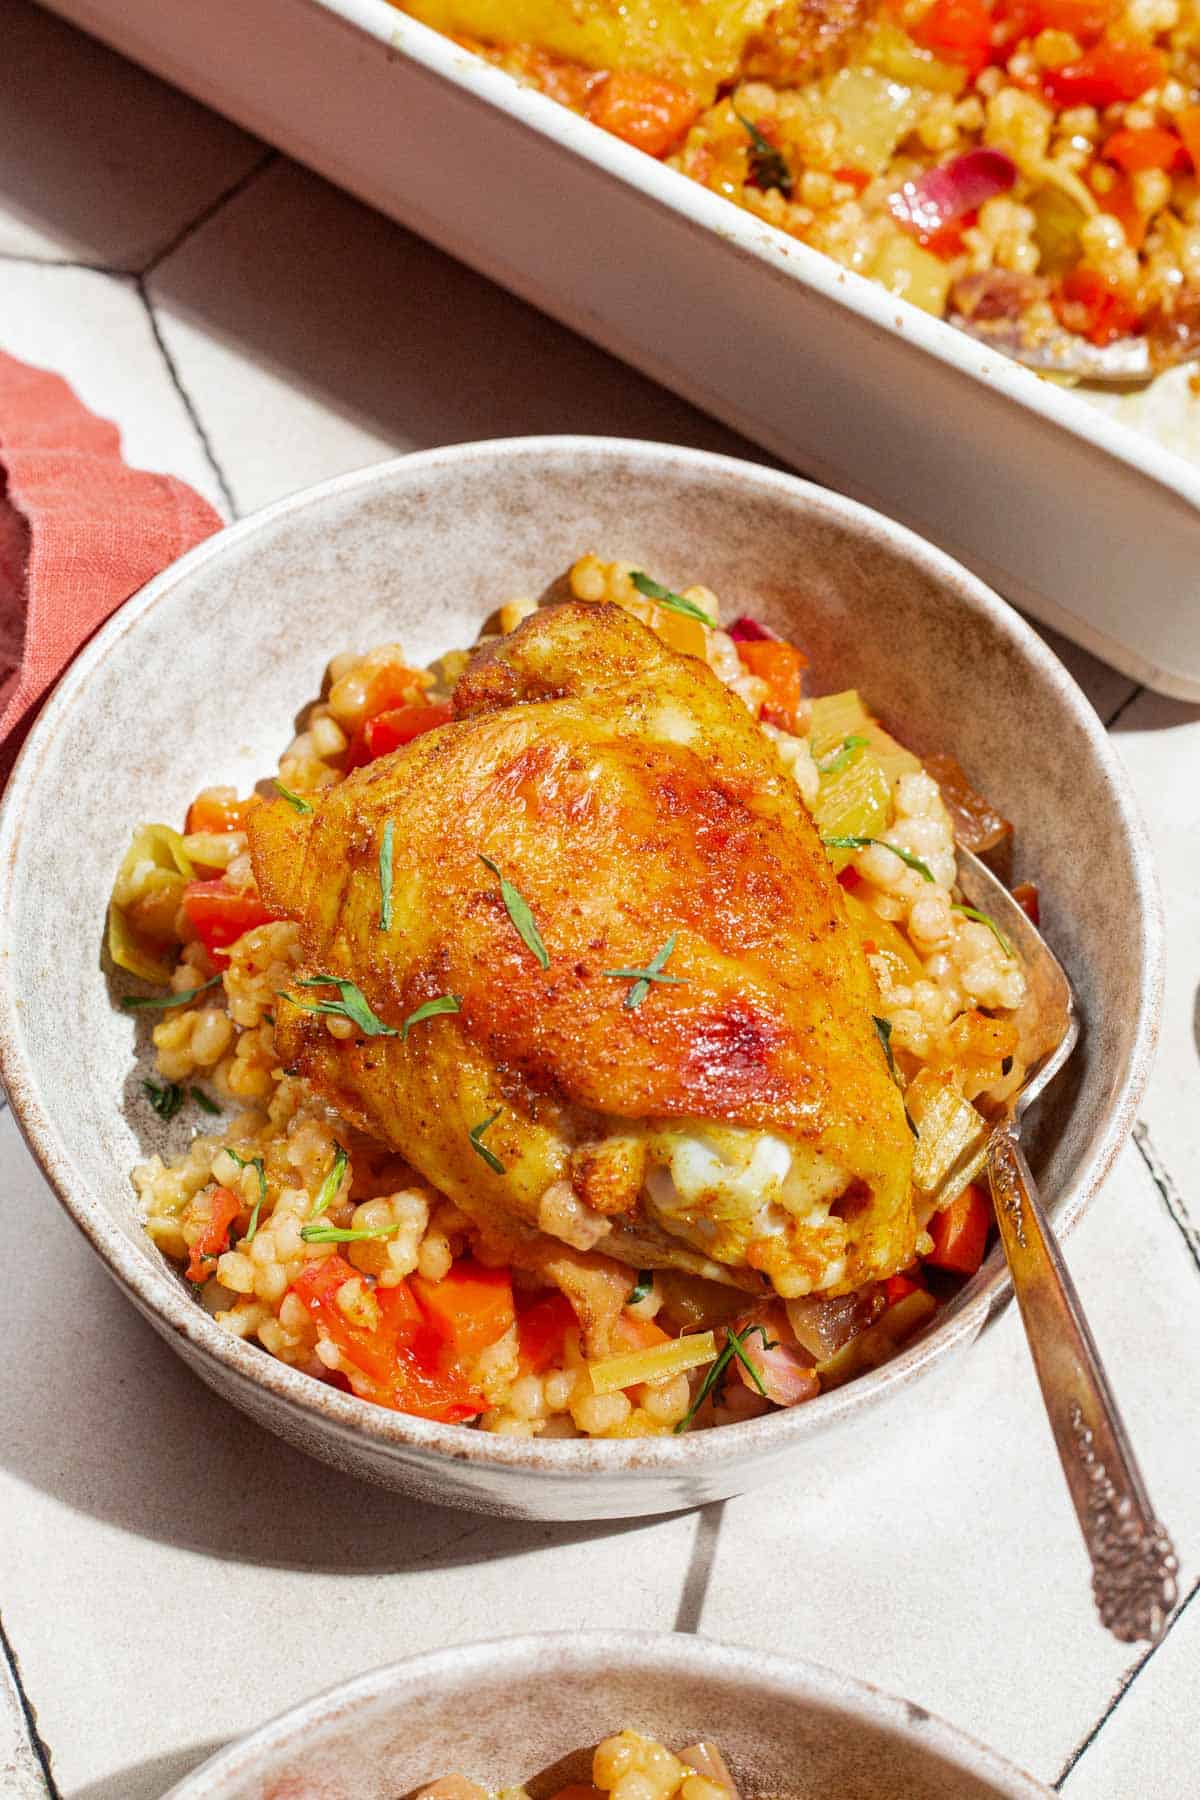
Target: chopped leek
point(632, 1367)
point(951, 1136)
point(836, 717)
point(873, 113)
point(912, 274)
point(153, 874)
point(894, 53)
point(879, 1342)
point(855, 802)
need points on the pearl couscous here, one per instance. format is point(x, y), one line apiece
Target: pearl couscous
point(303, 1233)
point(626, 1766)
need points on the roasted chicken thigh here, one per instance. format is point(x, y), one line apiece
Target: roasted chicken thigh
point(601, 806)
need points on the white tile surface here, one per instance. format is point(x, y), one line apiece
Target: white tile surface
point(100, 162)
point(383, 345)
point(1148, 1746)
point(161, 1550)
point(95, 330)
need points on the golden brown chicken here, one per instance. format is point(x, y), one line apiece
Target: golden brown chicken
point(599, 806)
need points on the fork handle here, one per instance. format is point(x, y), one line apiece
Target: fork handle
point(1133, 1563)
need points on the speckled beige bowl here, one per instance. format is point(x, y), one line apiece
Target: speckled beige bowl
point(197, 680)
point(529, 1709)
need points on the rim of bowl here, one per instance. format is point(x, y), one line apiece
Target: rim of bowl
point(675, 1654)
point(154, 1287)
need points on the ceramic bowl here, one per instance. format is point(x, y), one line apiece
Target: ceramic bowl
point(197, 680)
point(528, 1710)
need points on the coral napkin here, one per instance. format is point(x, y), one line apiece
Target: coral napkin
point(80, 531)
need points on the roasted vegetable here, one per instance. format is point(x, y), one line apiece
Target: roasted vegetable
point(145, 899)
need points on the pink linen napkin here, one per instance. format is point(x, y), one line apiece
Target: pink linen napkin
point(80, 531)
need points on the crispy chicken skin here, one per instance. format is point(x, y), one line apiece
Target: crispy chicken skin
point(741, 1121)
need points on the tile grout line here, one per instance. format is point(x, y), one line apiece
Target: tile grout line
point(186, 398)
point(38, 1745)
point(1127, 702)
point(207, 213)
point(59, 262)
point(1124, 1685)
point(1171, 1197)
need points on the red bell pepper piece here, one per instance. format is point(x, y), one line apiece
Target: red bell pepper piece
point(899, 1287)
point(647, 111)
point(958, 31)
point(960, 1232)
point(1026, 896)
point(1150, 148)
point(223, 1209)
point(469, 1308)
point(782, 667)
point(1109, 72)
point(1095, 306)
point(388, 731)
point(542, 1329)
point(220, 914)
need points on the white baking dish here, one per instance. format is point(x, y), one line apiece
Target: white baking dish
point(1086, 524)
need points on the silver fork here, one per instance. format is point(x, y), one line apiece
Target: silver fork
point(1133, 1563)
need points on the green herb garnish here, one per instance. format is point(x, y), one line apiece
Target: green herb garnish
point(445, 1003)
point(645, 1282)
point(883, 1028)
point(489, 1156)
point(654, 590)
point(297, 802)
point(351, 1004)
point(385, 879)
point(518, 910)
point(166, 1099)
point(768, 168)
point(641, 978)
point(734, 1343)
point(180, 999)
point(332, 1181)
point(982, 918)
point(204, 1101)
point(861, 843)
point(251, 1162)
point(337, 1234)
point(837, 762)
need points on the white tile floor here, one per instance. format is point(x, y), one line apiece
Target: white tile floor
point(251, 330)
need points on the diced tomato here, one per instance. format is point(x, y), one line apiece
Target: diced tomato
point(395, 684)
point(858, 179)
point(399, 1359)
point(1026, 896)
point(1095, 306)
point(960, 1232)
point(1120, 200)
point(782, 667)
point(849, 878)
point(542, 1329)
point(1109, 72)
point(899, 1287)
point(1188, 126)
point(1150, 148)
point(469, 1308)
point(223, 1208)
point(207, 813)
point(220, 914)
point(947, 241)
point(959, 31)
point(1086, 20)
point(646, 111)
point(387, 731)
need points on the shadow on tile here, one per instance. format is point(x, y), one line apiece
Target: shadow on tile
point(149, 1780)
point(76, 178)
point(308, 313)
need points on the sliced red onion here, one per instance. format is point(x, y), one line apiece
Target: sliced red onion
point(785, 1370)
point(748, 631)
point(707, 1760)
point(946, 193)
